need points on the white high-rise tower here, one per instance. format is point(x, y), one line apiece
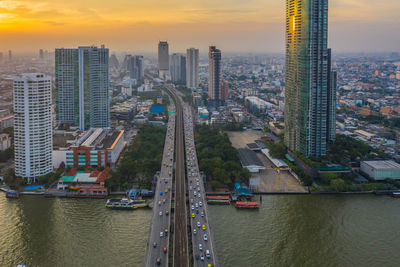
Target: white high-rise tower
point(33, 132)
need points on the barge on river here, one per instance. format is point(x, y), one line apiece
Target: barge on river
point(247, 204)
point(220, 200)
point(126, 204)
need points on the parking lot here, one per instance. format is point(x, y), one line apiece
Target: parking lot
point(268, 178)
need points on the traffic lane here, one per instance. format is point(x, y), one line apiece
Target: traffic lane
point(162, 223)
point(199, 238)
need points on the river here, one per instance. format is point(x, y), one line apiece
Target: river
point(288, 230)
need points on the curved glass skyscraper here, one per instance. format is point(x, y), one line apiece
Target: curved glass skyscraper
point(308, 82)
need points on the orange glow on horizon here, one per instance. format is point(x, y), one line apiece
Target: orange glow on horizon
point(136, 24)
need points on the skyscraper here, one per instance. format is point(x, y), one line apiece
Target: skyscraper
point(33, 131)
point(135, 67)
point(82, 84)
point(224, 90)
point(113, 62)
point(331, 100)
point(307, 107)
point(163, 59)
point(178, 68)
point(41, 54)
point(214, 76)
point(192, 68)
point(9, 55)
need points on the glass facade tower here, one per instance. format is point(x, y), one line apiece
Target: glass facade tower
point(214, 76)
point(82, 87)
point(307, 77)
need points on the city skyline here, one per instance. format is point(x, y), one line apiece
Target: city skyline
point(233, 26)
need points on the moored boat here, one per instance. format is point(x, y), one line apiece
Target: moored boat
point(247, 205)
point(126, 204)
point(396, 194)
point(12, 194)
point(222, 200)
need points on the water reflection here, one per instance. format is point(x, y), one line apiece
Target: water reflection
point(70, 232)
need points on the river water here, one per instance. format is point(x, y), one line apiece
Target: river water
point(295, 230)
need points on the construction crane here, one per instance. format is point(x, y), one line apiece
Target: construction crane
point(279, 169)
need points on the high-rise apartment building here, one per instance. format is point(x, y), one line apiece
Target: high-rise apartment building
point(224, 90)
point(178, 68)
point(163, 59)
point(113, 62)
point(33, 131)
point(192, 68)
point(307, 77)
point(214, 76)
point(82, 87)
point(135, 68)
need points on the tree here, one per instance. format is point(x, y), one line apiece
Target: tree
point(9, 176)
point(245, 175)
point(50, 178)
point(9, 131)
point(338, 185)
point(12, 180)
point(328, 177)
point(277, 150)
point(220, 174)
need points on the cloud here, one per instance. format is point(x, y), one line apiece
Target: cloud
point(53, 23)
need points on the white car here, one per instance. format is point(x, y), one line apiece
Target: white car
point(197, 205)
point(159, 203)
point(202, 214)
point(200, 247)
point(198, 224)
point(205, 237)
point(192, 207)
point(201, 204)
point(194, 231)
point(161, 234)
point(160, 213)
point(208, 255)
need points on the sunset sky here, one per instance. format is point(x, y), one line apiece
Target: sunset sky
point(232, 25)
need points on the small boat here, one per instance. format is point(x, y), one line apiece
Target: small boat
point(126, 204)
point(12, 194)
point(396, 194)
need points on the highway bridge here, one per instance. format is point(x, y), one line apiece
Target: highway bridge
point(188, 187)
point(158, 243)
